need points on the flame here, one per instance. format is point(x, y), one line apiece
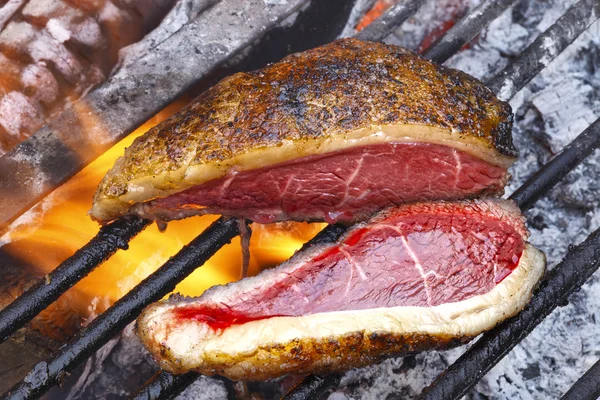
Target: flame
point(58, 226)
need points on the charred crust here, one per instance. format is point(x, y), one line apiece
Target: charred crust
point(502, 135)
point(343, 86)
point(325, 355)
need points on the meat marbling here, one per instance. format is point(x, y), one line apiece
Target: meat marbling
point(345, 185)
point(270, 144)
point(414, 277)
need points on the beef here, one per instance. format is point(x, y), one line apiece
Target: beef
point(241, 147)
point(346, 185)
point(416, 277)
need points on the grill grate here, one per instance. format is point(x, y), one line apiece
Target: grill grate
point(166, 385)
point(545, 48)
point(466, 29)
point(587, 387)
point(567, 277)
point(125, 310)
point(110, 238)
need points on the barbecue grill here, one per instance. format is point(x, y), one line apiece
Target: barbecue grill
point(568, 276)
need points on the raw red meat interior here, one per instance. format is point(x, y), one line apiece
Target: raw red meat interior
point(418, 255)
point(345, 185)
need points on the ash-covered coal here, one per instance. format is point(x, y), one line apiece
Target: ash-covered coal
point(116, 371)
point(550, 112)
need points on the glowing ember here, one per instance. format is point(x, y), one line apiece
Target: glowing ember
point(58, 226)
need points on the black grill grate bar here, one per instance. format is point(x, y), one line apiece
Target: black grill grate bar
point(105, 326)
point(166, 386)
point(546, 47)
point(587, 387)
point(109, 239)
point(383, 26)
point(556, 169)
point(567, 277)
point(466, 29)
point(313, 387)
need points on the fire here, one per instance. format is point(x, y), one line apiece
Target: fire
point(58, 226)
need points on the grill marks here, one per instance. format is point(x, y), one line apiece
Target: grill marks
point(346, 185)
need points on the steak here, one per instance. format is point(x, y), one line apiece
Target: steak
point(415, 277)
point(334, 133)
point(345, 185)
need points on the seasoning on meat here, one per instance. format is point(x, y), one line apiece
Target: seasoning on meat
point(332, 134)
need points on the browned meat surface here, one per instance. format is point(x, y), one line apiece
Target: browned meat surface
point(339, 97)
point(416, 277)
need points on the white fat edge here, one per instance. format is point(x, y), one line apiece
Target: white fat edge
point(191, 340)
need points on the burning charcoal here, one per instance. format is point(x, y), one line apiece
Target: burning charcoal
point(40, 84)
point(54, 51)
point(18, 114)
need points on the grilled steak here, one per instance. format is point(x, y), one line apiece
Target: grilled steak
point(416, 277)
point(334, 133)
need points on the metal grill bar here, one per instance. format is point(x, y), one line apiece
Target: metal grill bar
point(567, 277)
point(109, 239)
point(156, 286)
point(545, 48)
point(166, 386)
point(383, 26)
point(466, 29)
point(587, 387)
point(556, 169)
point(312, 387)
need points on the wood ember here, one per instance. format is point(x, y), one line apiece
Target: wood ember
point(52, 52)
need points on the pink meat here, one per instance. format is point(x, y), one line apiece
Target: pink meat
point(417, 255)
point(346, 185)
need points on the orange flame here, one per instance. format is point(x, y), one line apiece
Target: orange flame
point(58, 226)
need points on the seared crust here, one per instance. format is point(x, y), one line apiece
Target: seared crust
point(305, 356)
point(322, 93)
